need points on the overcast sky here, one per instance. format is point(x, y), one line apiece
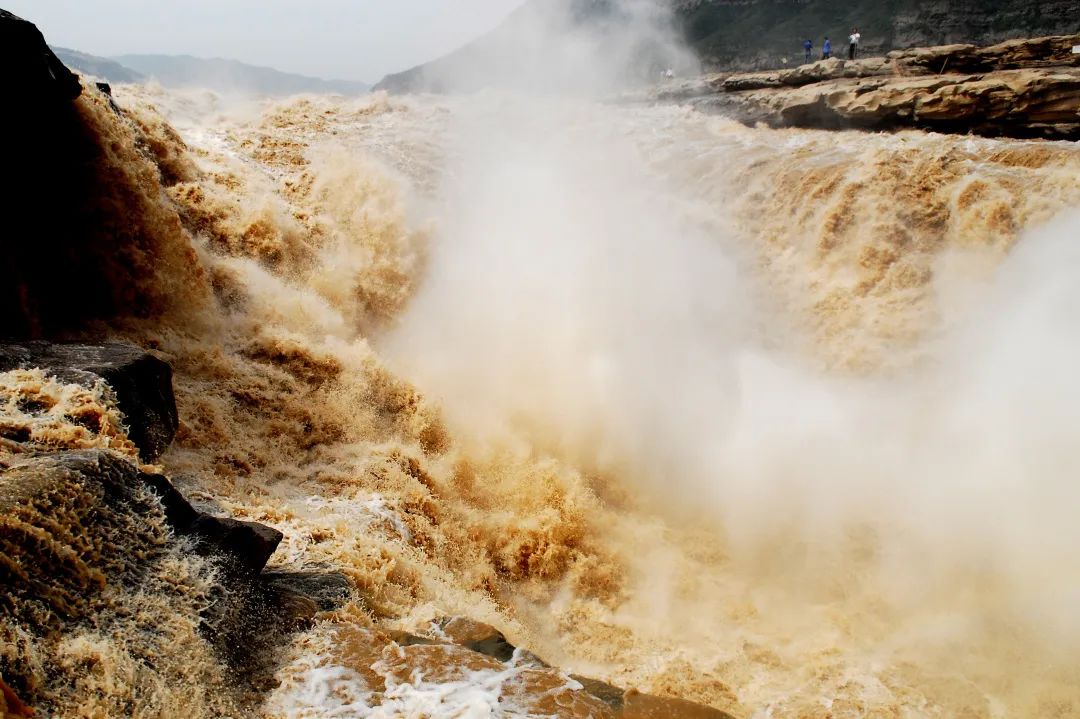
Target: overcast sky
point(338, 39)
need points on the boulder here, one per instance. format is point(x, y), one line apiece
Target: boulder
point(328, 589)
point(142, 383)
point(71, 525)
point(32, 73)
point(248, 544)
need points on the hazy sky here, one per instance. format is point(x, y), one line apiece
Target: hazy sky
point(341, 39)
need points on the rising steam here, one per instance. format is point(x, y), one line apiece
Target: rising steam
point(779, 421)
point(585, 304)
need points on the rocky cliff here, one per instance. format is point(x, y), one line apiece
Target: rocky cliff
point(759, 34)
point(1019, 88)
point(730, 35)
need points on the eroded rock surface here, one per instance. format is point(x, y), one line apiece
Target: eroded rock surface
point(1019, 88)
point(1012, 103)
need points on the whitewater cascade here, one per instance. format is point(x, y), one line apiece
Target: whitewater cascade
point(775, 421)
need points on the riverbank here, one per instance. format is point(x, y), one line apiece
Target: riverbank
point(1020, 88)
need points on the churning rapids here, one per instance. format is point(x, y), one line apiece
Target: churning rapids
point(783, 422)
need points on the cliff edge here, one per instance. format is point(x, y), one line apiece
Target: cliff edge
point(1019, 88)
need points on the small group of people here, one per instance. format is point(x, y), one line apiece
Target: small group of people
point(826, 49)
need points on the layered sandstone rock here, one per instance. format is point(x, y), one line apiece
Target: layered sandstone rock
point(1014, 103)
point(1020, 88)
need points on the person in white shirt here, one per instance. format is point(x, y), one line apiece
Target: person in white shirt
point(853, 43)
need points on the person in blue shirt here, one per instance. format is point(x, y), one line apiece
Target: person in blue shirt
point(826, 50)
point(809, 47)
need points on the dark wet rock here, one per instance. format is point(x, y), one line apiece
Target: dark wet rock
point(32, 73)
point(250, 544)
point(96, 241)
point(99, 482)
point(104, 87)
point(246, 545)
point(329, 590)
point(297, 611)
point(178, 511)
point(142, 383)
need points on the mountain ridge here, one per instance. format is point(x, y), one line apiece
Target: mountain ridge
point(219, 74)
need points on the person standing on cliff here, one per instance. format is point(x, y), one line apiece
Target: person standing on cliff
point(808, 46)
point(826, 50)
point(853, 43)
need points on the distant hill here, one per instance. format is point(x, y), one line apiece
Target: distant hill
point(232, 76)
point(100, 67)
point(216, 74)
point(556, 44)
point(751, 34)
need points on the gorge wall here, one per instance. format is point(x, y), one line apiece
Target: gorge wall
point(761, 34)
point(750, 34)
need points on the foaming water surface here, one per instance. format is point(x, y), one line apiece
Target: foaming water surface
point(777, 421)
